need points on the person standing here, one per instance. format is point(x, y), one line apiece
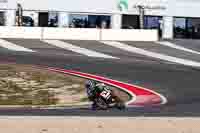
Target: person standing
point(19, 15)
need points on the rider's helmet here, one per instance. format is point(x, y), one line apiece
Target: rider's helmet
point(94, 86)
point(90, 84)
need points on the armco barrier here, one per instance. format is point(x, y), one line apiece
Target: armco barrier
point(71, 33)
point(129, 35)
point(21, 32)
point(79, 34)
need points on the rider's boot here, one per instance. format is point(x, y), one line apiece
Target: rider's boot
point(94, 106)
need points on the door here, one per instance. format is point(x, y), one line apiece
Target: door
point(43, 19)
point(2, 18)
point(130, 22)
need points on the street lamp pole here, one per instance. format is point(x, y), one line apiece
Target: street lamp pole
point(141, 10)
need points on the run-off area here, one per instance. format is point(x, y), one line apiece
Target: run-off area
point(26, 85)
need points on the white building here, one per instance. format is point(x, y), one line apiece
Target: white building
point(178, 18)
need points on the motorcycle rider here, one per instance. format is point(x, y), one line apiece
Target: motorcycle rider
point(92, 88)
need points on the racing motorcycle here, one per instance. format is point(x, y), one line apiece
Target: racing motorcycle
point(107, 99)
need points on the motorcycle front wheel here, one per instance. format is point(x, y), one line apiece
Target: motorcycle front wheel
point(101, 103)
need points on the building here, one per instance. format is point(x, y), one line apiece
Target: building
point(179, 19)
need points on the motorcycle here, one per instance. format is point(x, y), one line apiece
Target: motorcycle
point(107, 99)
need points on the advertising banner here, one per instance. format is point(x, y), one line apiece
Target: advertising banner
point(129, 5)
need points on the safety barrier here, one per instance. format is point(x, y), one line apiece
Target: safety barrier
point(129, 35)
point(21, 32)
point(78, 34)
point(71, 33)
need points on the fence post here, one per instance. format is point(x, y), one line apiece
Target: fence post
point(42, 34)
point(100, 35)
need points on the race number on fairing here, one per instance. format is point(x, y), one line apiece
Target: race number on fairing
point(105, 94)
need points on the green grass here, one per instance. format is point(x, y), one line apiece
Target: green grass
point(44, 90)
point(84, 99)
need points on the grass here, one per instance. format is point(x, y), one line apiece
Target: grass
point(25, 85)
point(84, 99)
point(13, 92)
point(14, 95)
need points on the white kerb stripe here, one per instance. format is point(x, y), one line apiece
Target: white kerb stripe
point(14, 47)
point(77, 49)
point(172, 45)
point(151, 54)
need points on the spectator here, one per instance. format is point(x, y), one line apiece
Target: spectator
point(103, 25)
point(19, 14)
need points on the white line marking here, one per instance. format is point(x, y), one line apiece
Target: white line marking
point(152, 54)
point(77, 49)
point(14, 47)
point(172, 45)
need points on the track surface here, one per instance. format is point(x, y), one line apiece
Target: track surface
point(178, 83)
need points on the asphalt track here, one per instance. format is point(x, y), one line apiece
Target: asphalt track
point(178, 83)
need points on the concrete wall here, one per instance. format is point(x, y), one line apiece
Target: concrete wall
point(173, 7)
point(78, 34)
point(129, 35)
point(168, 32)
point(184, 8)
point(71, 33)
point(20, 32)
point(68, 5)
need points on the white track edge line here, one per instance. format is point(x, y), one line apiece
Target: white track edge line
point(14, 47)
point(173, 45)
point(78, 49)
point(161, 56)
